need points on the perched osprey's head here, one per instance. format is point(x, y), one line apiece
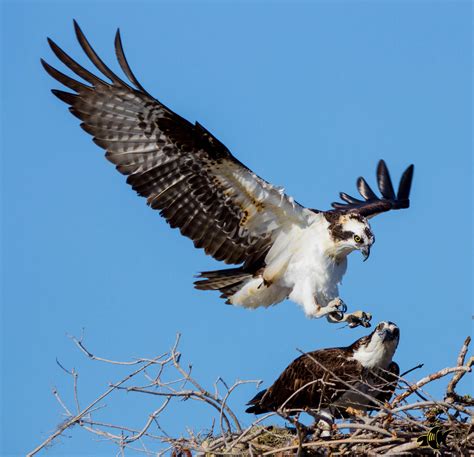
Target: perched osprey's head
point(377, 349)
point(349, 231)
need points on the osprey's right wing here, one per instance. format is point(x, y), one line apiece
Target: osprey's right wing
point(181, 168)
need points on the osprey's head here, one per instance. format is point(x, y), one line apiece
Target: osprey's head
point(349, 231)
point(377, 349)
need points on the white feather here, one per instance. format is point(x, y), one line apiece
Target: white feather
point(377, 354)
point(299, 266)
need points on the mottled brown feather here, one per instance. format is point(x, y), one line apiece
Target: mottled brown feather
point(323, 388)
point(180, 168)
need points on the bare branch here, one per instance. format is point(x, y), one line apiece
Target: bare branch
point(392, 430)
point(432, 377)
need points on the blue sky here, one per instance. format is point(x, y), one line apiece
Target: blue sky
point(309, 95)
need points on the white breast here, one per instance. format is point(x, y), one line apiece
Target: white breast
point(299, 255)
point(376, 354)
point(297, 267)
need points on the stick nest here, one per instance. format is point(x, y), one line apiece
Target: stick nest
point(401, 427)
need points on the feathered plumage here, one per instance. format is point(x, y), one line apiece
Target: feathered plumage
point(373, 205)
point(223, 207)
point(361, 376)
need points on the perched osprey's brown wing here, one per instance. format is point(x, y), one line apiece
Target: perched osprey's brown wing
point(181, 168)
point(309, 382)
point(373, 205)
point(385, 384)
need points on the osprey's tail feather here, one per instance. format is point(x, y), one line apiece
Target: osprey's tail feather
point(255, 407)
point(227, 281)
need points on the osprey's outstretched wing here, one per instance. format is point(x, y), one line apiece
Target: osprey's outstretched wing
point(373, 205)
point(181, 168)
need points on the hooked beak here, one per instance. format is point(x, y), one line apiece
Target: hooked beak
point(365, 252)
point(386, 334)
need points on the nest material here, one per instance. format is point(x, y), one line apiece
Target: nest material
point(405, 426)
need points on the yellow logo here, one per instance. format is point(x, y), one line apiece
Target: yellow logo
point(434, 438)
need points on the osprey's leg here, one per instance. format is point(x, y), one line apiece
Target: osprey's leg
point(353, 319)
point(324, 421)
point(335, 312)
point(335, 307)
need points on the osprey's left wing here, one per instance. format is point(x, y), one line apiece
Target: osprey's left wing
point(385, 383)
point(312, 380)
point(181, 168)
point(371, 205)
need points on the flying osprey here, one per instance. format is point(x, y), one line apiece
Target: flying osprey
point(360, 376)
point(284, 249)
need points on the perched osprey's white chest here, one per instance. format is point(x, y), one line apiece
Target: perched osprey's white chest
point(299, 266)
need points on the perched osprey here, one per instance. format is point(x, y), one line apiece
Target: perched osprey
point(333, 380)
point(284, 249)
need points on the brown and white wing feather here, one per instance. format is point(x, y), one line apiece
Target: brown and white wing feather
point(181, 168)
point(386, 382)
point(309, 382)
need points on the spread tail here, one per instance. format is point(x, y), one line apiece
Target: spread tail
point(227, 281)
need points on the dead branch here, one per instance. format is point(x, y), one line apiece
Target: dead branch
point(392, 430)
point(451, 395)
point(432, 377)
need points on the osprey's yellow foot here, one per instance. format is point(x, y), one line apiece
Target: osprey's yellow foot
point(353, 319)
point(358, 318)
point(334, 310)
point(325, 425)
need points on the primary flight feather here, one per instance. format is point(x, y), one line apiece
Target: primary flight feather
point(283, 249)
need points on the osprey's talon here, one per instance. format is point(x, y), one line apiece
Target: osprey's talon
point(335, 310)
point(300, 253)
point(342, 307)
point(325, 425)
point(337, 305)
point(355, 319)
point(359, 318)
point(336, 316)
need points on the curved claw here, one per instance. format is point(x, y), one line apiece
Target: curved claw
point(337, 305)
point(336, 316)
point(359, 318)
point(356, 319)
point(340, 310)
point(342, 307)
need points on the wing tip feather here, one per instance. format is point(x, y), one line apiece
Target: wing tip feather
point(389, 200)
point(66, 97)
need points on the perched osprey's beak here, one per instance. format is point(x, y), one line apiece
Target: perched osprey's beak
point(386, 334)
point(365, 252)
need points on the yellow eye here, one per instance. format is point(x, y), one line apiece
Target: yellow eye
point(357, 238)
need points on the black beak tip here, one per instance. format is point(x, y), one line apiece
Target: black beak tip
point(365, 251)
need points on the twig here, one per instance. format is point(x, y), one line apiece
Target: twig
point(402, 448)
point(151, 418)
point(451, 395)
point(439, 374)
point(393, 430)
point(332, 443)
point(421, 365)
point(78, 416)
